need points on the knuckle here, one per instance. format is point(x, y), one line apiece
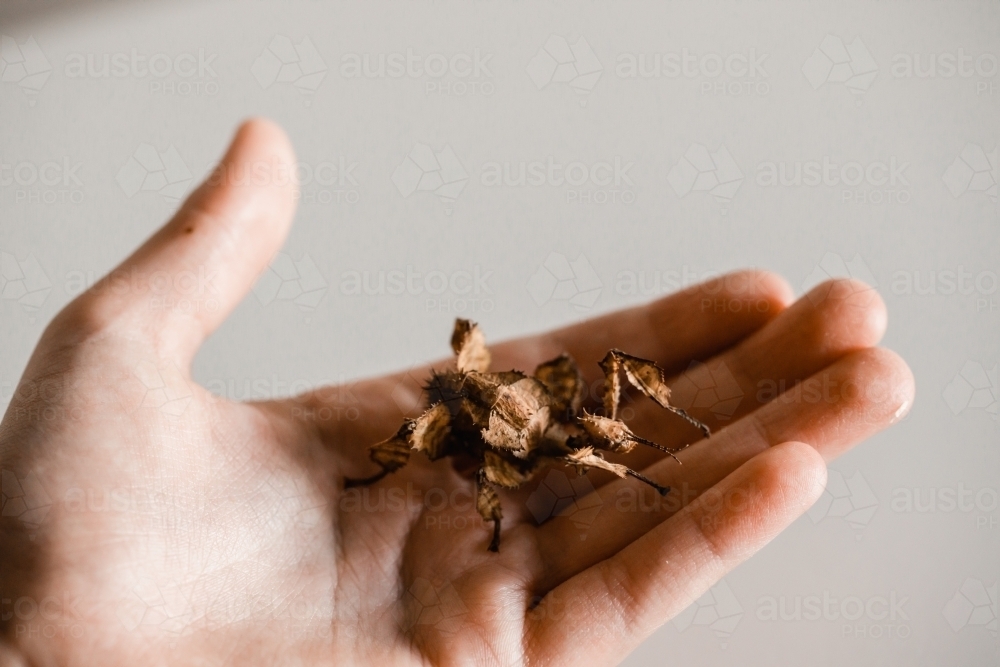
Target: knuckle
point(90, 317)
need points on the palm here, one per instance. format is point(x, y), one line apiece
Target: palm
point(186, 528)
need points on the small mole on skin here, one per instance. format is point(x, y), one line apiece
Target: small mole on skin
point(189, 230)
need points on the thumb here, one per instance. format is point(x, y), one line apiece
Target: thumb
point(184, 281)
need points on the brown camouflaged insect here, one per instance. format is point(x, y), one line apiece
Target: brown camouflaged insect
point(514, 425)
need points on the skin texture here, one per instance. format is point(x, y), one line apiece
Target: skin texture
point(187, 529)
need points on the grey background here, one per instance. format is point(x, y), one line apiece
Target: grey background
point(941, 563)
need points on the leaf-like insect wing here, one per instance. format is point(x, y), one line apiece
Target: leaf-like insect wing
point(502, 472)
point(458, 334)
point(482, 388)
point(521, 439)
point(393, 453)
point(487, 501)
point(535, 429)
point(612, 384)
point(532, 387)
point(647, 377)
point(518, 402)
point(431, 430)
point(584, 458)
point(469, 345)
point(563, 379)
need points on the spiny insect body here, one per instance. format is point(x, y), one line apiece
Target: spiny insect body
point(514, 424)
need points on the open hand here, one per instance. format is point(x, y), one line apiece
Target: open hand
point(182, 528)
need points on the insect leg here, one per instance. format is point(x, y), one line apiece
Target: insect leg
point(488, 505)
point(390, 455)
point(365, 481)
point(663, 490)
point(612, 384)
point(705, 431)
point(666, 450)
